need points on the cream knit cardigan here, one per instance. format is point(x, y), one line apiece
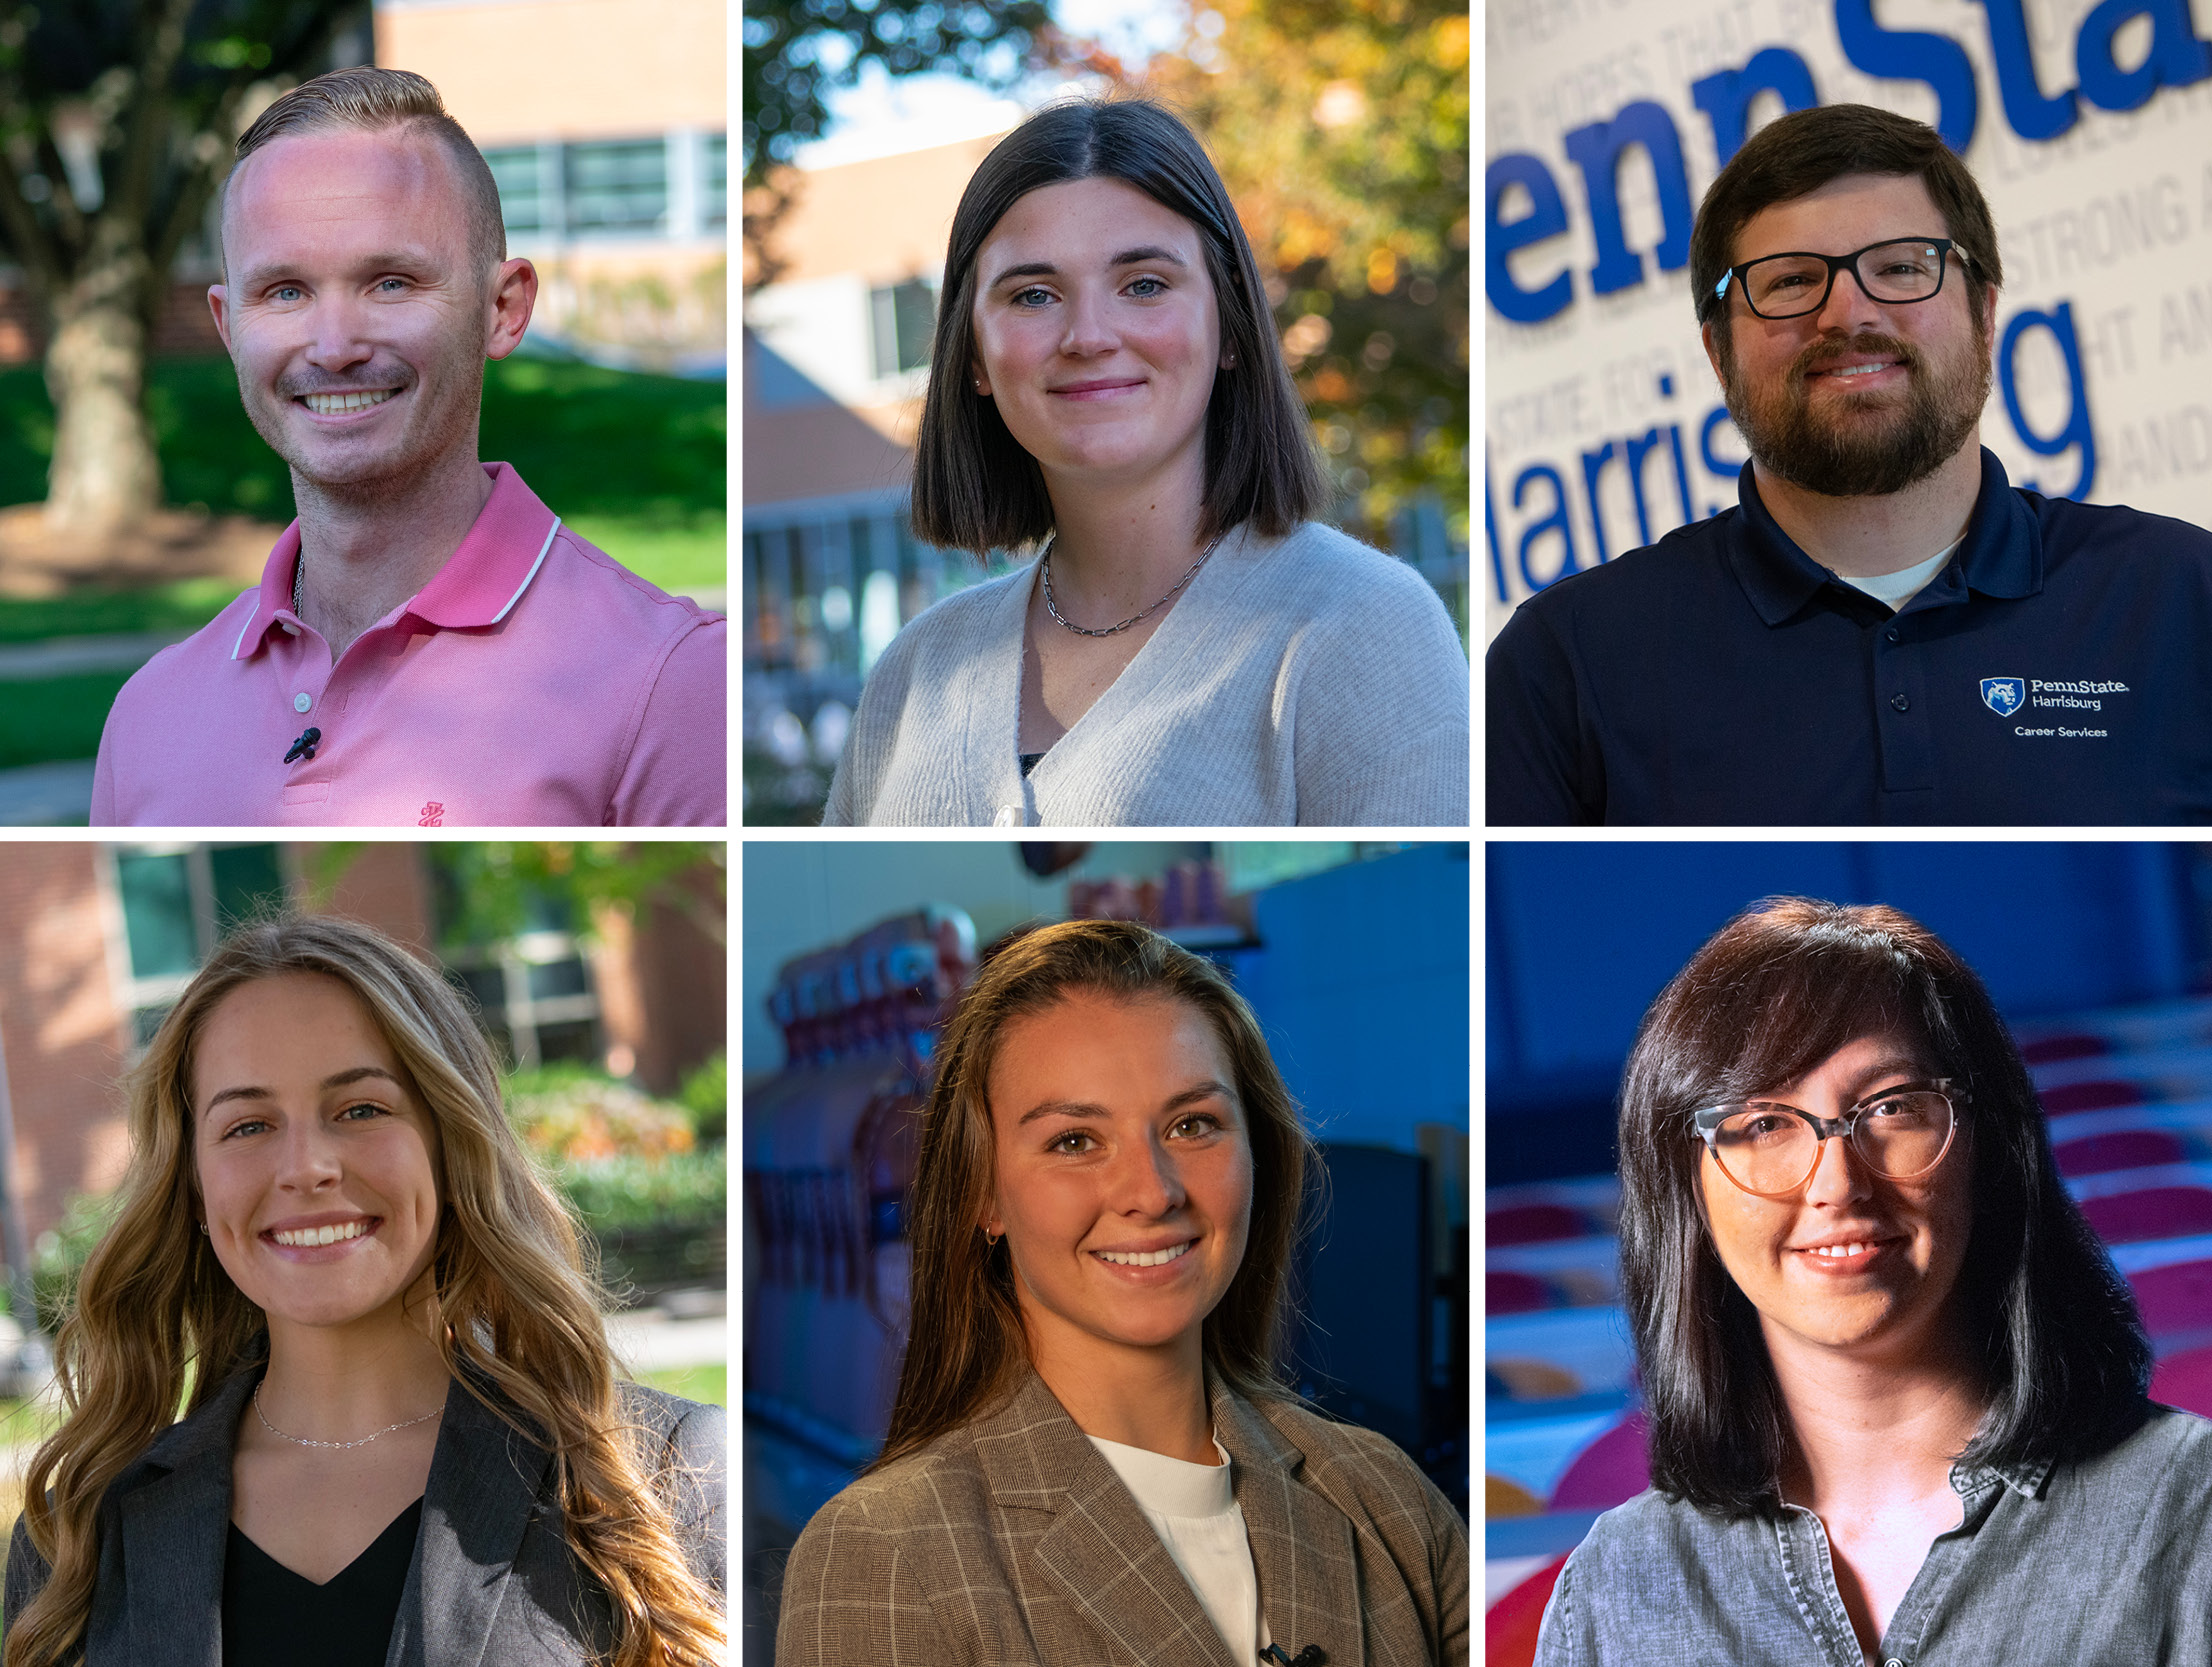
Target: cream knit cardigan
point(1306, 681)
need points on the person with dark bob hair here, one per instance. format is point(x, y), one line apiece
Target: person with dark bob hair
point(1091, 1457)
point(1895, 1388)
point(1192, 645)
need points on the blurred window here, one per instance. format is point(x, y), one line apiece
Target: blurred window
point(157, 913)
point(905, 316)
point(617, 185)
point(176, 902)
point(536, 998)
point(714, 181)
point(524, 203)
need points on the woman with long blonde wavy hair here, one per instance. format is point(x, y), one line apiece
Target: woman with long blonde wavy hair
point(402, 1439)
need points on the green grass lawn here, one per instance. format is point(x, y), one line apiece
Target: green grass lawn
point(636, 464)
point(589, 441)
point(57, 718)
point(693, 1383)
point(183, 606)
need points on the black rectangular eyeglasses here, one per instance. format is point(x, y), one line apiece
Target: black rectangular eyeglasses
point(1897, 272)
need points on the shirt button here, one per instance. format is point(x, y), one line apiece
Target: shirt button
point(1891, 633)
point(1893, 1662)
point(1009, 816)
point(1902, 703)
point(302, 701)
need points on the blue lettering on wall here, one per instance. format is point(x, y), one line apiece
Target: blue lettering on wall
point(1720, 466)
point(1547, 217)
point(1906, 55)
point(1726, 95)
point(1557, 521)
point(2029, 112)
point(1593, 465)
point(1634, 450)
point(2077, 431)
point(2177, 58)
point(1596, 150)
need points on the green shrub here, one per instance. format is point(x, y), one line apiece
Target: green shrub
point(619, 1194)
point(59, 1256)
point(706, 1095)
point(578, 1116)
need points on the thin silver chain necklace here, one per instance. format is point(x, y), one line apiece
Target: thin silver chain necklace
point(1045, 566)
point(299, 572)
point(363, 1442)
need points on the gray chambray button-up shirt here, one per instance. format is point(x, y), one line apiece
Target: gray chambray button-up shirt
point(2105, 1563)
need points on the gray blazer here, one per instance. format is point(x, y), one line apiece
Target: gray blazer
point(492, 1582)
point(1010, 1542)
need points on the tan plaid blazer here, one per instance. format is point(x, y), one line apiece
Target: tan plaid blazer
point(1011, 1543)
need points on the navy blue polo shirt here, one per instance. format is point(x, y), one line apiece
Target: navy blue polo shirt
point(2057, 671)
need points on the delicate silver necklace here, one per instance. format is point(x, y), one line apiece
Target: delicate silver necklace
point(1045, 565)
point(363, 1442)
point(299, 572)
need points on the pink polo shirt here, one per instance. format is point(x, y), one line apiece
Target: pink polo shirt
point(533, 682)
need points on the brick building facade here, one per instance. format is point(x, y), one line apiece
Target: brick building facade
point(82, 978)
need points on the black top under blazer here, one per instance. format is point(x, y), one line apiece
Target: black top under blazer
point(492, 1582)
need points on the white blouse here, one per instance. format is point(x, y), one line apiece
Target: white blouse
point(1195, 1513)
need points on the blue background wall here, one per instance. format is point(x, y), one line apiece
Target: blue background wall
point(1363, 991)
point(1582, 936)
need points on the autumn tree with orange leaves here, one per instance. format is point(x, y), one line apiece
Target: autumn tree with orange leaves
point(1341, 129)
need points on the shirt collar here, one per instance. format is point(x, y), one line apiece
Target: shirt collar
point(2025, 1478)
point(478, 586)
point(2002, 555)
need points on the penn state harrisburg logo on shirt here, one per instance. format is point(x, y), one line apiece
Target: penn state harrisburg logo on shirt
point(2004, 695)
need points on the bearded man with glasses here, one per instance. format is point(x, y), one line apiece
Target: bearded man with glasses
point(1884, 630)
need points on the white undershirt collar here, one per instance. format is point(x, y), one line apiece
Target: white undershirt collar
point(1894, 590)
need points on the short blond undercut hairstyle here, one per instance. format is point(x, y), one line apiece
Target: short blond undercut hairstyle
point(366, 99)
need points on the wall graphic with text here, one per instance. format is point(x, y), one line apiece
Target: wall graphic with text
point(2087, 122)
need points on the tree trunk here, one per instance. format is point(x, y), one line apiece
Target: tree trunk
point(105, 475)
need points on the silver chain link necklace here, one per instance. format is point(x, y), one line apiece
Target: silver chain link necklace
point(304, 1442)
point(299, 572)
point(1045, 566)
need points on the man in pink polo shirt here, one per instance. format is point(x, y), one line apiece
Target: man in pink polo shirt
point(428, 646)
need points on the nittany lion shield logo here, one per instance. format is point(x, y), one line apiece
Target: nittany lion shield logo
point(2003, 695)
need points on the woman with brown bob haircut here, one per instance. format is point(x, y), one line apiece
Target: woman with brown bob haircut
point(1091, 1458)
point(1894, 1385)
point(1192, 646)
point(402, 1439)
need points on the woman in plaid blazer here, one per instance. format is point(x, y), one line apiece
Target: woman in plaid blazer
point(1102, 1214)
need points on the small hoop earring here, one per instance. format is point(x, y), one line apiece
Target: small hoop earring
point(203, 1227)
point(991, 1239)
